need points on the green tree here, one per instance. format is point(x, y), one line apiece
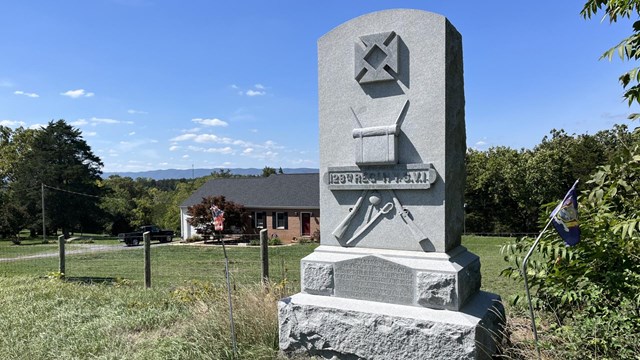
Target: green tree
point(628, 48)
point(59, 158)
point(221, 173)
point(13, 215)
point(119, 203)
point(497, 195)
point(268, 171)
point(171, 217)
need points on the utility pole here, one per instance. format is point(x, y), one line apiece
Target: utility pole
point(44, 232)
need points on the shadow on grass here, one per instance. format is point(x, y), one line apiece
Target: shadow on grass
point(92, 280)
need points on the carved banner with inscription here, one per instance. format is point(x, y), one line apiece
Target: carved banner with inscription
point(408, 176)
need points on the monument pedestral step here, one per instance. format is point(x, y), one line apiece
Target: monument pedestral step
point(342, 328)
point(431, 280)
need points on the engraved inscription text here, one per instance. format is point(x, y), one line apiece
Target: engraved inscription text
point(411, 176)
point(375, 279)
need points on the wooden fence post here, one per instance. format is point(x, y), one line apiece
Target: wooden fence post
point(264, 255)
point(61, 264)
point(146, 236)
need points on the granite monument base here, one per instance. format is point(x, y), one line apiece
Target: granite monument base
point(433, 280)
point(342, 328)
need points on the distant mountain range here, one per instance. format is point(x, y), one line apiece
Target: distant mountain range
point(194, 173)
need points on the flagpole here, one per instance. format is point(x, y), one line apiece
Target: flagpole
point(526, 286)
point(226, 273)
point(524, 271)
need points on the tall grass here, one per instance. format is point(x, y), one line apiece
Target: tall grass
point(54, 319)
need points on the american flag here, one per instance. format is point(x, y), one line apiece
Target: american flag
point(216, 211)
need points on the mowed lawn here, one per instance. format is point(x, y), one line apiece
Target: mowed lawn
point(104, 312)
point(172, 264)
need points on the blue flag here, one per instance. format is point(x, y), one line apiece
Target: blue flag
point(565, 218)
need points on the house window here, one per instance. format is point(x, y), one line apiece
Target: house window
point(259, 220)
point(279, 220)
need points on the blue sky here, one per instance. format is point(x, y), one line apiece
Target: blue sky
point(169, 84)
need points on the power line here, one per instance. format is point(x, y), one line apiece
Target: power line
point(43, 185)
point(71, 192)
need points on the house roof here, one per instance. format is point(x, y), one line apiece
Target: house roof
point(275, 191)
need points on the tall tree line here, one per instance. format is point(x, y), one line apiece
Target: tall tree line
point(506, 188)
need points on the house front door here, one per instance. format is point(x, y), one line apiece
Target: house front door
point(306, 223)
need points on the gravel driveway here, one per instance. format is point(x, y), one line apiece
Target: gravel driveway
point(85, 248)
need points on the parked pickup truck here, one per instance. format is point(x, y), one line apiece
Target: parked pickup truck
point(135, 238)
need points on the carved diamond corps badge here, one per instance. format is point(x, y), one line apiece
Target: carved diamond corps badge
point(376, 57)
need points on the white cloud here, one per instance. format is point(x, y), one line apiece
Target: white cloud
point(11, 123)
point(224, 150)
point(480, 145)
point(252, 92)
point(74, 94)
point(210, 122)
point(133, 111)
point(185, 156)
point(37, 126)
point(132, 133)
point(95, 121)
point(203, 138)
point(174, 148)
point(257, 90)
point(184, 137)
point(212, 138)
point(248, 151)
point(104, 121)
point(90, 133)
point(31, 95)
point(253, 130)
point(79, 122)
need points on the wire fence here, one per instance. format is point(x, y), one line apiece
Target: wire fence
point(503, 234)
point(172, 264)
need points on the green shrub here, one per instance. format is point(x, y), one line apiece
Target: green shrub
point(254, 242)
point(305, 240)
point(194, 238)
point(275, 241)
point(593, 288)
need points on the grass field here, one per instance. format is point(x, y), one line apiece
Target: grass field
point(183, 316)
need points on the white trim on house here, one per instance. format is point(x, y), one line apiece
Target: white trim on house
point(186, 230)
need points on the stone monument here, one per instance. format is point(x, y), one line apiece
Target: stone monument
point(390, 279)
